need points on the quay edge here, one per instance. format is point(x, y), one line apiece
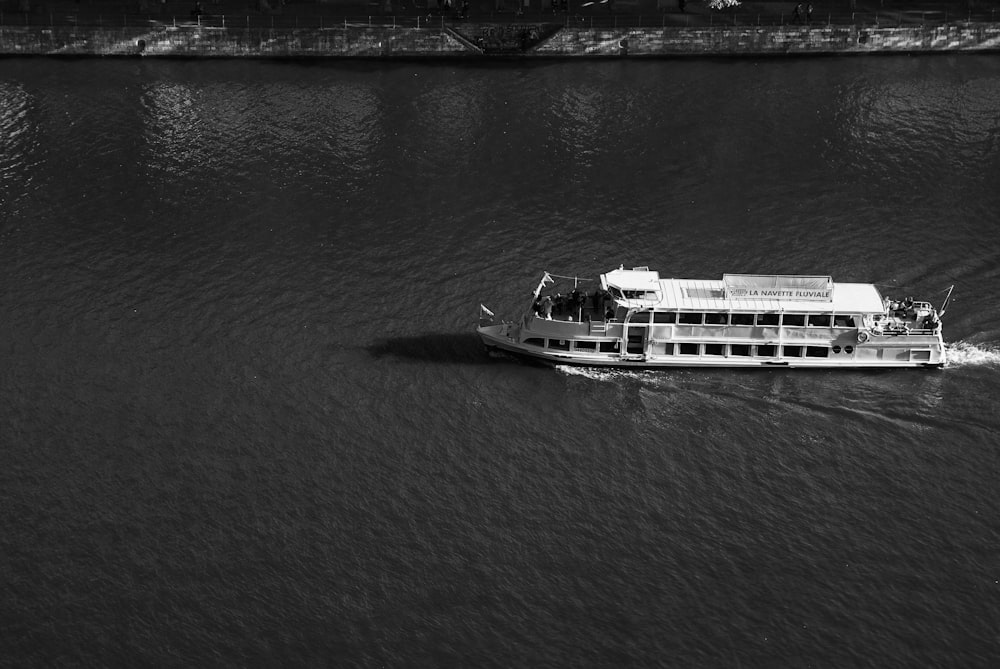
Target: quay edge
point(190, 40)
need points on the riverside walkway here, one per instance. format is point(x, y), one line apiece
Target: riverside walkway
point(306, 14)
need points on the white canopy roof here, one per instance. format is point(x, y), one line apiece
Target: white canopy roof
point(631, 279)
point(823, 295)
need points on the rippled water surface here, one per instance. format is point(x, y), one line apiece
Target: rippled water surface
point(244, 419)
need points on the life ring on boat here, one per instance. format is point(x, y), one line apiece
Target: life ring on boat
point(862, 337)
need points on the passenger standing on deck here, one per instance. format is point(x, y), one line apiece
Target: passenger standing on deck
point(797, 14)
point(600, 300)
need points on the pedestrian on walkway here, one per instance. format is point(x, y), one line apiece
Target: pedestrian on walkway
point(809, 12)
point(797, 14)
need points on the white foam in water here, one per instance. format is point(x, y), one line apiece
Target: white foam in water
point(595, 373)
point(963, 353)
point(602, 373)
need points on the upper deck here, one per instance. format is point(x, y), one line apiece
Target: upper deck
point(743, 293)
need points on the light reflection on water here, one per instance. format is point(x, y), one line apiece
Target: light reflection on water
point(16, 143)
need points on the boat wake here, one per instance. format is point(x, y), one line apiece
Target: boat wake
point(598, 373)
point(964, 354)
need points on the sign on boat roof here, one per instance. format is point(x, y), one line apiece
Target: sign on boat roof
point(778, 287)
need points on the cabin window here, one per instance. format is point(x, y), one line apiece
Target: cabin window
point(664, 317)
point(794, 320)
point(741, 319)
point(767, 319)
point(739, 349)
point(559, 344)
point(689, 319)
point(791, 351)
point(641, 317)
point(716, 319)
point(920, 356)
point(689, 349)
point(715, 349)
point(662, 348)
point(848, 350)
point(817, 352)
point(586, 346)
point(767, 350)
point(836, 348)
point(609, 346)
point(820, 320)
point(535, 341)
point(843, 322)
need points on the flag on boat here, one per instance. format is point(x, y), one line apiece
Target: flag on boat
point(546, 280)
point(947, 299)
point(484, 312)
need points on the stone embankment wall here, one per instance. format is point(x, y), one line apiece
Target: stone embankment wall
point(772, 40)
point(204, 42)
point(556, 41)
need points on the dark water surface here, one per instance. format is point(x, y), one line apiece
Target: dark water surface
point(244, 419)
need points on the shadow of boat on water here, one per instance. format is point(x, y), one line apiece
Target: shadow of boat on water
point(461, 348)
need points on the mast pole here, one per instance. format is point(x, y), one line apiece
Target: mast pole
point(944, 306)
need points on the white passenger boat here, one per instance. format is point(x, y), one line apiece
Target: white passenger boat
point(633, 318)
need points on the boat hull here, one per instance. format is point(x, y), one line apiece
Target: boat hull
point(496, 337)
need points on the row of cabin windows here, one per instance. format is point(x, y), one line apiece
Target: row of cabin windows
point(769, 319)
point(608, 346)
point(748, 350)
point(668, 348)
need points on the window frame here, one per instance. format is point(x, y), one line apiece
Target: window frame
point(786, 324)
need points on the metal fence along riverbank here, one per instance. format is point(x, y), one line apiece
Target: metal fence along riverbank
point(522, 39)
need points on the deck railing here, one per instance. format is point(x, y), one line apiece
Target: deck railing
point(910, 332)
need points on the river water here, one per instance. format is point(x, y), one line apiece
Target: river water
point(244, 419)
